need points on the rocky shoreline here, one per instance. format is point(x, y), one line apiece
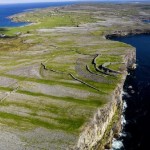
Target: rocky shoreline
point(116, 126)
point(106, 122)
point(123, 33)
point(52, 47)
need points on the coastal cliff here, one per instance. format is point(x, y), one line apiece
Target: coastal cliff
point(106, 121)
point(65, 78)
point(123, 33)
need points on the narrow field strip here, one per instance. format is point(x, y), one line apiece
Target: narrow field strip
point(61, 123)
point(53, 82)
point(90, 102)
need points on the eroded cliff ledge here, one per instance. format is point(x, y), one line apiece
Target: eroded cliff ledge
point(122, 33)
point(63, 79)
point(106, 122)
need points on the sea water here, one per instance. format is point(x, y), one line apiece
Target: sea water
point(11, 9)
point(136, 119)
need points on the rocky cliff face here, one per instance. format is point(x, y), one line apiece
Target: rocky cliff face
point(104, 121)
point(121, 33)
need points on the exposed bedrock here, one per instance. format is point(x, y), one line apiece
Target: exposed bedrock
point(103, 124)
point(121, 33)
point(93, 133)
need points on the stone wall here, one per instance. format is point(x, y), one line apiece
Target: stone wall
point(94, 131)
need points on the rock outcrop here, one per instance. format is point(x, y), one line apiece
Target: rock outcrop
point(121, 33)
point(103, 119)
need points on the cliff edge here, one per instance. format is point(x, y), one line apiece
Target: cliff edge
point(61, 86)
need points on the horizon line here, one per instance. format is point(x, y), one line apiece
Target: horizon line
point(121, 1)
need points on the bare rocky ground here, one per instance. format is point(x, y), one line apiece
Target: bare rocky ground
point(44, 107)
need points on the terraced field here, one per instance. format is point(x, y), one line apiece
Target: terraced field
point(51, 82)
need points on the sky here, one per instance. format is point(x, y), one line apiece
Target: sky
point(30, 1)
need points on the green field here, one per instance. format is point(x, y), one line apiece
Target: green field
point(48, 79)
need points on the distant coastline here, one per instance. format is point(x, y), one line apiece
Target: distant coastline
point(7, 10)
